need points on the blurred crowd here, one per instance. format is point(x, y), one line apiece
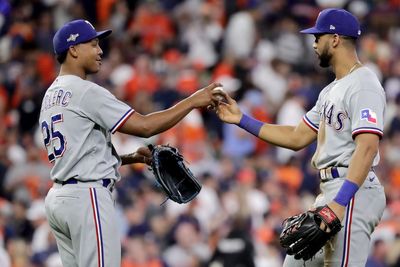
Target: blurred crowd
point(160, 52)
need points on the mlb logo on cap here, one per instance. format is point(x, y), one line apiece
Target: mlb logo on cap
point(335, 21)
point(76, 32)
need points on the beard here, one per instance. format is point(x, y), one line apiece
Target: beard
point(325, 58)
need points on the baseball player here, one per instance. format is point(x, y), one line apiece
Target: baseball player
point(77, 119)
point(347, 122)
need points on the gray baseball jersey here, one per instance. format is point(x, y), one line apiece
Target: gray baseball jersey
point(346, 107)
point(77, 118)
point(352, 105)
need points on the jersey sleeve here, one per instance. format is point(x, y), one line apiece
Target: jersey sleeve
point(367, 108)
point(312, 118)
point(105, 109)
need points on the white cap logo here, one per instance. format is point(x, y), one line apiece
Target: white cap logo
point(331, 27)
point(72, 37)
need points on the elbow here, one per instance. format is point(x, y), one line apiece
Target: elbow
point(149, 129)
point(369, 153)
point(372, 150)
point(145, 132)
point(147, 135)
point(297, 144)
point(140, 126)
point(367, 145)
point(297, 140)
point(296, 148)
point(143, 135)
point(291, 146)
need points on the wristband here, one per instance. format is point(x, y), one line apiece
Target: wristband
point(346, 193)
point(250, 124)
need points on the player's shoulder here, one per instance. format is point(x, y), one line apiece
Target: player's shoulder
point(366, 76)
point(96, 90)
point(366, 79)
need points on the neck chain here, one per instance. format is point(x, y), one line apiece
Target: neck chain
point(354, 67)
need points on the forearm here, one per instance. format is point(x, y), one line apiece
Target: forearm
point(360, 164)
point(163, 120)
point(291, 137)
point(282, 136)
point(130, 158)
point(156, 122)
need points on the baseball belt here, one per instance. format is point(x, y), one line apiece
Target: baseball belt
point(107, 182)
point(331, 173)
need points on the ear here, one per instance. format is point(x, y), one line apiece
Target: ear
point(73, 51)
point(335, 40)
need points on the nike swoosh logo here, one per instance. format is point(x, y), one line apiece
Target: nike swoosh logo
point(371, 178)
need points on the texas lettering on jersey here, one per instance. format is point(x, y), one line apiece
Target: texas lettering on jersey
point(332, 117)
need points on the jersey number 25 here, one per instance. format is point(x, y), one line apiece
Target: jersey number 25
point(51, 135)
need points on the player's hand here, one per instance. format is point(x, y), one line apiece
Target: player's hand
point(143, 155)
point(228, 110)
point(204, 96)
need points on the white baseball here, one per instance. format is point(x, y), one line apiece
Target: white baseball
point(219, 89)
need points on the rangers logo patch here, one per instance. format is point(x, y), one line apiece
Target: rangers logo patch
point(369, 115)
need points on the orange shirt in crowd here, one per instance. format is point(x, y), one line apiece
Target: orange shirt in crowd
point(265, 234)
point(222, 69)
point(150, 263)
point(147, 82)
point(188, 82)
point(46, 68)
point(291, 176)
point(395, 178)
point(104, 8)
point(152, 26)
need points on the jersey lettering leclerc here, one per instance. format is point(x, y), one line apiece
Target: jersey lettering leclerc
point(345, 108)
point(77, 119)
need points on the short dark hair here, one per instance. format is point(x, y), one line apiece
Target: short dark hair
point(351, 39)
point(61, 57)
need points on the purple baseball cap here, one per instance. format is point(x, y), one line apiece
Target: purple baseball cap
point(76, 32)
point(335, 20)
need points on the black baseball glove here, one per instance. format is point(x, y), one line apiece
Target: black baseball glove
point(175, 179)
point(302, 235)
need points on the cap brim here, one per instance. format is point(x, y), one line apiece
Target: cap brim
point(103, 34)
point(312, 30)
